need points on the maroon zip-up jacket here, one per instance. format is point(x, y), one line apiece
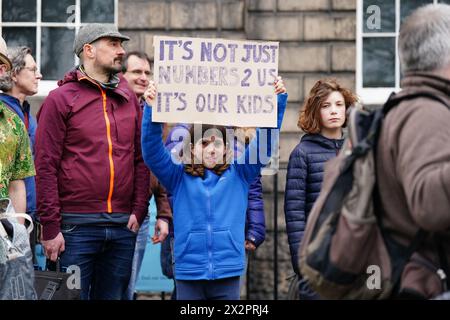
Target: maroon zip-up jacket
point(88, 152)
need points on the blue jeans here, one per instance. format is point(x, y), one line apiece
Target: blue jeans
point(220, 289)
point(104, 256)
point(141, 243)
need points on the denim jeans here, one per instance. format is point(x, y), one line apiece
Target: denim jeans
point(220, 289)
point(104, 256)
point(141, 243)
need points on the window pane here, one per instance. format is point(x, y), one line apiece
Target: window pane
point(379, 62)
point(408, 6)
point(97, 11)
point(380, 17)
point(57, 56)
point(18, 36)
point(19, 10)
point(58, 11)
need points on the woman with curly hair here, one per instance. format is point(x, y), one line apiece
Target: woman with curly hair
point(322, 118)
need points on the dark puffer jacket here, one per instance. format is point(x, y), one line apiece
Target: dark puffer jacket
point(303, 183)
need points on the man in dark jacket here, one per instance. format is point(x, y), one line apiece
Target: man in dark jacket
point(92, 183)
point(413, 153)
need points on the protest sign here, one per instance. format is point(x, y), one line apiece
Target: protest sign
point(215, 81)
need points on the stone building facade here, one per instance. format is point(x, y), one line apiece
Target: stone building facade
point(317, 39)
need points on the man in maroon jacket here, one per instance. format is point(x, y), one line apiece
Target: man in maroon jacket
point(92, 184)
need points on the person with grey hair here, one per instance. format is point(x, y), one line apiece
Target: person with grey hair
point(16, 162)
point(413, 153)
point(22, 81)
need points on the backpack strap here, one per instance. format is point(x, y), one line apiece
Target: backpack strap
point(443, 262)
point(405, 257)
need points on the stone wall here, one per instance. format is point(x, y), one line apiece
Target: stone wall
point(317, 39)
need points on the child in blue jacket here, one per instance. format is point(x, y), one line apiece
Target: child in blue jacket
point(210, 197)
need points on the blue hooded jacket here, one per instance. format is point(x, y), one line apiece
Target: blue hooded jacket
point(30, 184)
point(209, 212)
point(303, 183)
point(255, 225)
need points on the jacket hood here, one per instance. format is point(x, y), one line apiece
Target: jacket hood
point(323, 141)
point(426, 82)
point(70, 76)
point(14, 103)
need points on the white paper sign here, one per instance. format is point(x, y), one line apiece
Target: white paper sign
point(215, 81)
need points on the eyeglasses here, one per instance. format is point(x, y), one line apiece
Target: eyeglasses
point(137, 72)
point(218, 143)
point(35, 70)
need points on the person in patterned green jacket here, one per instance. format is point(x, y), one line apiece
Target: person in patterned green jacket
point(16, 162)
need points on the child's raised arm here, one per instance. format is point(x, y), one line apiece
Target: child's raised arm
point(156, 157)
point(249, 168)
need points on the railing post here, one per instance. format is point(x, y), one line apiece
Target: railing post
point(275, 236)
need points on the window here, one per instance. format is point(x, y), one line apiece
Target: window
point(378, 24)
point(48, 27)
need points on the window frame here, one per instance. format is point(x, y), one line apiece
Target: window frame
point(45, 86)
point(376, 95)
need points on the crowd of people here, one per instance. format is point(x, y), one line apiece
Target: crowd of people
point(87, 166)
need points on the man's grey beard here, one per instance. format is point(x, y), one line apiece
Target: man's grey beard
point(113, 70)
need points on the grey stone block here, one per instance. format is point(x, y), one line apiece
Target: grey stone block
point(330, 27)
point(268, 183)
point(262, 5)
point(294, 86)
point(232, 15)
point(269, 27)
point(304, 58)
point(287, 144)
point(193, 15)
point(290, 119)
point(269, 211)
point(343, 4)
point(303, 5)
point(135, 43)
point(142, 15)
point(343, 57)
